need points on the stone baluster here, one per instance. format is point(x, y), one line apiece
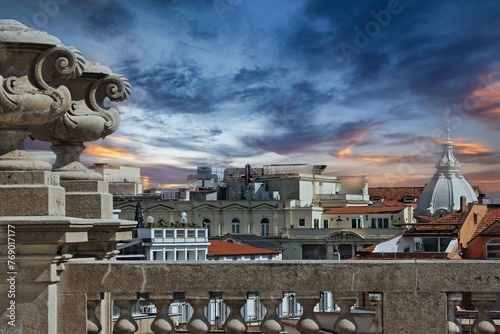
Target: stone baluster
point(162, 324)
point(271, 324)
point(454, 326)
point(235, 324)
point(375, 300)
point(93, 324)
point(125, 324)
point(308, 323)
point(345, 323)
point(198, 324)
point(484, 323)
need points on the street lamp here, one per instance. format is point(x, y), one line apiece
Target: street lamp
point(150, 221)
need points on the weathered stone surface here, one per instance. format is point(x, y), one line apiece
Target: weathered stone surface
point(269, 276)
point(275, 276)
point(478, 276)
point(408, 313)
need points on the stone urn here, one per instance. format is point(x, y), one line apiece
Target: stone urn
point(88, 119)
point(32, 66)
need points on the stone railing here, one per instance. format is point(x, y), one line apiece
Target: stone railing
point(408, 296)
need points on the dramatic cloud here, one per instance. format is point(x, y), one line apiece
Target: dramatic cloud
point(366, 87)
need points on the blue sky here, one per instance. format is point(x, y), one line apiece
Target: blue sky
point(361, 86)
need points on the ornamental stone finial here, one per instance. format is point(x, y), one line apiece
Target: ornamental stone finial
point(87, 119)
point(30, 63)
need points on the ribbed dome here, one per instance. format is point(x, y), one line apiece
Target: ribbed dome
point(442, 194)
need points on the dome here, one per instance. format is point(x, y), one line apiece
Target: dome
point(442, 194)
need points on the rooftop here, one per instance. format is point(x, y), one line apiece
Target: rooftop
point(218, 247)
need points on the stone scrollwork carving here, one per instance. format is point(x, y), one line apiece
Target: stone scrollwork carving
point(58, 63)
point(32, 66)
point(87, 119)
point(21, 104)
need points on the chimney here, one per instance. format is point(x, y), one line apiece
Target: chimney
point(463, 203)
point(483, 199)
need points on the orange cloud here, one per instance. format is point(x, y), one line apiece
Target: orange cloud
point(465, 147)
point(486, 101)
point(345, 151)
point(348, 149)
point(121, 139)
point(108, 152)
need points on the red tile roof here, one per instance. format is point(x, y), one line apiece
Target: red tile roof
point(218, 248)
point(364, 209)
point(395, 194)
point(492, 215)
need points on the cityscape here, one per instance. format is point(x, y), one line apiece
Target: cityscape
point(249, 167)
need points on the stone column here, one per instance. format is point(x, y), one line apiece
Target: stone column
point(93, 324)
point(125, 324)
point(484, 323)
point(345, 323)
point(271, 324)
point(308, 323)
point(454, 325)
point(198, 324)
point(235, 324)
point(375, 300)
point(162, 324)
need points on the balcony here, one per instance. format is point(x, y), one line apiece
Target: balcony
point(407, 296)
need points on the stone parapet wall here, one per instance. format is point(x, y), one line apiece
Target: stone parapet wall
point(414, 293)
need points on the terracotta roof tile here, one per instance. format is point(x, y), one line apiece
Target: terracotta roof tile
point(492, 215)
point(217, 248)
point(395, 193)
point(448, 224)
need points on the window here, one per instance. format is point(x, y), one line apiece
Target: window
point(493, 249)
point(264, 227)
point(316, 223)
point(158, 235)
point(325, 223)
point(302, 222)
point(235, 226)
point(356, 223)
point(380, 222)
point(206, 225)
point(432, 245)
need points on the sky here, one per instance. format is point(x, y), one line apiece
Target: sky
point(365, 87)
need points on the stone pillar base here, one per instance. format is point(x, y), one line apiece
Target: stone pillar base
point(88, 199)
point(31, 193)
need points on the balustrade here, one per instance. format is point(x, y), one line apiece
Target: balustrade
point(411, 297)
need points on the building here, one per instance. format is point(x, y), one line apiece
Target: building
point(442, 194)
point(281, 202)
point(229, 251)
point(472, 232)
point(166, 244)
point(123, 180)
